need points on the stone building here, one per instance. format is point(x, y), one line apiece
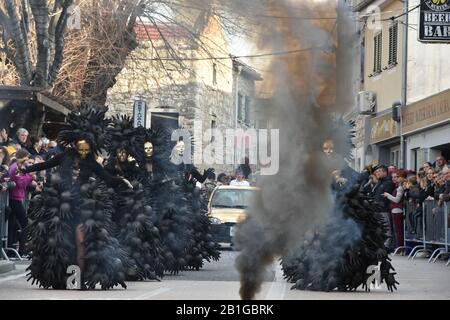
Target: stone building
point(203, 87)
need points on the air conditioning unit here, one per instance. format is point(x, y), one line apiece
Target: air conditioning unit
point(367, 102)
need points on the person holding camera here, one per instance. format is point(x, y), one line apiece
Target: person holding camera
point(5, 183)
point(17, 196)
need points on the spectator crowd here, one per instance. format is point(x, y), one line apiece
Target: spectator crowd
point(396, 188)
point(16, 152)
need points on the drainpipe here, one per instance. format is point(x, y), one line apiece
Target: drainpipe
point(236, 108)
point(404, 82)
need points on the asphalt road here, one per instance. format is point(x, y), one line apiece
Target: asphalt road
point(220, 281)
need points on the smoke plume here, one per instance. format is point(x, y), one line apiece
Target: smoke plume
point(305, 97)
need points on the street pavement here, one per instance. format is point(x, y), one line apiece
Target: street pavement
point(220, 281)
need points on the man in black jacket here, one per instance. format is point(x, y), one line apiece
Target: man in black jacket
point(384, 184)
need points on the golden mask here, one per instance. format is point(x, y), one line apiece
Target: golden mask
point(122, 155)
point(83, 148)
point(328, 147)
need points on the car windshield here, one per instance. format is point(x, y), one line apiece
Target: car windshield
point(232, 198)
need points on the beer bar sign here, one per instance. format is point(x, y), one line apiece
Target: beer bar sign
point(434, 21)
point(140, 113)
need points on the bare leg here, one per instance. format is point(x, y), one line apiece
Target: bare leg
point(79, 239)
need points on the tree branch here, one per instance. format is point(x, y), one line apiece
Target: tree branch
point(25, 20)
point(52, 24)
point(59, 42)
point(22, 59)
point(139, 8)
point(40, 13)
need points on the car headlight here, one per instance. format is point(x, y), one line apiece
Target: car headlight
point(215, 220)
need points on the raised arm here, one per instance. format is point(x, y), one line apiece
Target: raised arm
point(398, 196)
point(53, 162)
point(110, 180)
point(198, 176)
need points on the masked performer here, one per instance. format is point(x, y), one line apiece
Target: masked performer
point(186, 174)
point(71, 219)
point(163, 194)
point(337, 255)
point(134, 216)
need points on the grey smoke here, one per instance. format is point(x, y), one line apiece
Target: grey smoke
point(298, 199)
point(307, 95)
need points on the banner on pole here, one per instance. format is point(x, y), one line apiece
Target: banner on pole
point(140, 113)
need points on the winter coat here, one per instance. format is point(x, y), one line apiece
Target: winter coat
point(385, 184)
point(22, 182)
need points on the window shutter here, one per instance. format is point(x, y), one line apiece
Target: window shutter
point(395, 43)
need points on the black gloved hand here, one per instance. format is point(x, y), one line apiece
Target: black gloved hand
point(206, 173)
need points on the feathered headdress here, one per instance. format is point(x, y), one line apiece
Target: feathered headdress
point(342, 134)
point(160, 138)
point(121, 134)
point(86, 123)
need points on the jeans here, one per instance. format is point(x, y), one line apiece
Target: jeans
point(20, 215)
point(414, 218)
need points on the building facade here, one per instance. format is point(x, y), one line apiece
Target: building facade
point(423, 122)
point(207, 96)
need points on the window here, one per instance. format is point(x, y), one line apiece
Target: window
point(395, 157)
point(414, 159)
point(213, 130)
point(247, 109)
point(377, 49)
point(363, 59)
point(240, 106)
point(393, 44)
point(214, 74)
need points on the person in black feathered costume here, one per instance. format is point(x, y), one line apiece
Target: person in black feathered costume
point(134, 216)
point(337, 255)
point(186, 176)
point(171, 189)
point(71, 220)
point(163, 193)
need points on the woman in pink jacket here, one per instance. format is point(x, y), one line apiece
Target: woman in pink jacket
point(17, 196)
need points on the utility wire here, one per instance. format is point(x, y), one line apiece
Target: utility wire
point(401, 15)
point(237, 57)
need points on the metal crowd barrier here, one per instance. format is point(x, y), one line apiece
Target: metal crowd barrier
point(433, 233)
point(4, 203)
point(3, 225)
point(408, 236)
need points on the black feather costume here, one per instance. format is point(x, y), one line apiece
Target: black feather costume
point(182, 207)
point(163, 193)
point(337, 255)
point(134, 216)
point(75, 195)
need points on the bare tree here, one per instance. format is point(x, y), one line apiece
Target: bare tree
point(81, 65)
point(37, 53)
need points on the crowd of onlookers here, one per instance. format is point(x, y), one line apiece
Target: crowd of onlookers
point(395, 188)
point(16, 152)
point(241, 177)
